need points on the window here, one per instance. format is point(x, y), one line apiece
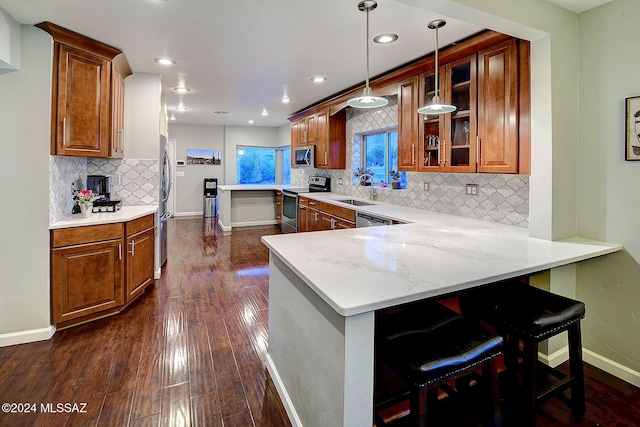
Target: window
point(380, 155)
point(259, 165)
point(256, 165)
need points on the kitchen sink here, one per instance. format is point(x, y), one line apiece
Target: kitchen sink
point(355, 202)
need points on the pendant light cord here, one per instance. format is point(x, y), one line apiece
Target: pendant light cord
point(437, 66)
point(367, 40)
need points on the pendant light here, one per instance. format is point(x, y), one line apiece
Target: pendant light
point(436, 107)
point(367, 100)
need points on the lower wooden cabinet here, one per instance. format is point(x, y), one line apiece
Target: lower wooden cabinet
point(279, 207)
point(314, 215)
point(303, 214)
point(96, 270)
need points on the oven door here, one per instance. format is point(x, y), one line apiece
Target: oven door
point(289, 212)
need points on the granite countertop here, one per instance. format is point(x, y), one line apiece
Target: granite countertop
point(127, 213)
point(364, 269)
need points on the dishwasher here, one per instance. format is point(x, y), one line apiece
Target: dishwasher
point(366, 220)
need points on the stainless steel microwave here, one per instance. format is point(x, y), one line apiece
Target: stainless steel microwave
point(305, 156)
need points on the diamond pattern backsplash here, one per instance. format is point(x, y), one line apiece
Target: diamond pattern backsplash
point(502, 198)
point(140, 181)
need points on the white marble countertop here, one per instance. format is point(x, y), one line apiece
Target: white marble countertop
point(127, 213)
point(235, 187)
point(364, 269)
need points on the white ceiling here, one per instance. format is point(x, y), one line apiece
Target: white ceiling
point(243, 56)
point(578, 6)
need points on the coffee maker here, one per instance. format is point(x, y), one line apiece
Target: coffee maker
point(101, 185)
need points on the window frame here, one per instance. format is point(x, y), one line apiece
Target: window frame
point(387, 155)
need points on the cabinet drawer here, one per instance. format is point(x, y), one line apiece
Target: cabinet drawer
point(339, 211)
point(303, 201)
point(139, 224)
point(89, 234)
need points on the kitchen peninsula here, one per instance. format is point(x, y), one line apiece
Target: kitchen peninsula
point(241, 205)
point(322, 299)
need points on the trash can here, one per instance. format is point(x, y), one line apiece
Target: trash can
point(210, 199)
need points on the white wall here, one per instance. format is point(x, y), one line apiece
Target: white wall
point(189, 187)
point(142, 112)
point(9, 43)
point(608, 186)
point(248, 136)
point(25, 102)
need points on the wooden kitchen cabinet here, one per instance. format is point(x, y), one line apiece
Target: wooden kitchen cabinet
point(279, 208)
point(408, 129)
point(498, 98)
point(91, 274)
point(334, 217)
point(140, 256)
point(87, 271)
point(303, 214)
point(87, 95)
point(330, 140)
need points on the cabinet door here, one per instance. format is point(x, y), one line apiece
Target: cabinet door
point(303, 215)
point(117, 114)
point(322, 139)
point(408, 124)
point(140, 262)
point(279, 207)
point(460, 126)
point(86, 279)
point(310, 130)
point(82, 111)
point(314, 219)
point(431, 126)
point(498, 108)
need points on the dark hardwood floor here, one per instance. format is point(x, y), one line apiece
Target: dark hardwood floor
point(190, 351)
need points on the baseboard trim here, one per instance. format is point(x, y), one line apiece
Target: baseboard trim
point(188, 214)
point(24, 337)
point(611, 367)
point(284, 396)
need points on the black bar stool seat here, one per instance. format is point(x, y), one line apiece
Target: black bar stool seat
point(525, 314)
point(429, 345)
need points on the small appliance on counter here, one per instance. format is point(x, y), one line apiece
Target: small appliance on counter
point(101, 184)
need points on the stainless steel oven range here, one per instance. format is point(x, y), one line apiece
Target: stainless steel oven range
point(290, 201)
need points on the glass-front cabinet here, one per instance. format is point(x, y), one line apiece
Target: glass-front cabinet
point(448, 141)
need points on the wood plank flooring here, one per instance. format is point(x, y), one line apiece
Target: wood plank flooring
point(190, 351)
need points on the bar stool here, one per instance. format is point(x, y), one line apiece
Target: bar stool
point(427, 346)
point(527, 315)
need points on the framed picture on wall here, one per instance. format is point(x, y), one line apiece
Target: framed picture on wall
point(197, 156)
point(632, 135)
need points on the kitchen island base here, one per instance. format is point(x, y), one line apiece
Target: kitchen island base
point(322, 363)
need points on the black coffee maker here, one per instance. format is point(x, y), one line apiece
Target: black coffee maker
point(100, 184)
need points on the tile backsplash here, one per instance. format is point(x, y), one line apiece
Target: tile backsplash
point(502, 198)
point(140, 183)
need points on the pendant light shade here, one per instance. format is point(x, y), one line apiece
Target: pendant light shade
point(367, 100)
point(437, 107)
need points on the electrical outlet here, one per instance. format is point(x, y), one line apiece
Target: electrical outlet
point(425, 186)
point(472, 189)
point(340, 181)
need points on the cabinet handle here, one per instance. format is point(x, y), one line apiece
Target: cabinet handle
point(302, 207)
point(326, 162)
point(333, 224)
point(312, 203)
point(444, 152)
point(64, 131)
point(119, 252)
point(133, 248)
point(478, 142)
point(413, 153)
point(278, 203)
point(315, 216)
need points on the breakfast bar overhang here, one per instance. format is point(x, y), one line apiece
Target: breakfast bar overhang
point(324, 289)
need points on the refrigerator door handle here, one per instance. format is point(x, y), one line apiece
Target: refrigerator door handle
point(165, 217)
point(168, 182)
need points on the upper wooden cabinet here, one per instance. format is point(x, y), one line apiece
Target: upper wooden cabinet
point(87, 95)
point(327, 133)
point(483, 134)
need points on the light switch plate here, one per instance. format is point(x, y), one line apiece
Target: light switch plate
point(425, 186)
point(180, 173)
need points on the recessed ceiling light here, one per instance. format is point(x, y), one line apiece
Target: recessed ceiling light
point(173, 117)
point(250, 122)
point(220, 112)
point(385, 38)
point(181, 89)
point(285, 100)
point(164, 61)
point(318, 79)
point(180, 108)
point(265, 112)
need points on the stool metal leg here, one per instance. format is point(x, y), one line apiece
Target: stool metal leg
point(576, 371)
point(529, 379)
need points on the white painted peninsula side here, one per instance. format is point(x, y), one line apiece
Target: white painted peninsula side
point(324, 289)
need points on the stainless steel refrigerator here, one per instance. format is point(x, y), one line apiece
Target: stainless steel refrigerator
point(166, 181)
